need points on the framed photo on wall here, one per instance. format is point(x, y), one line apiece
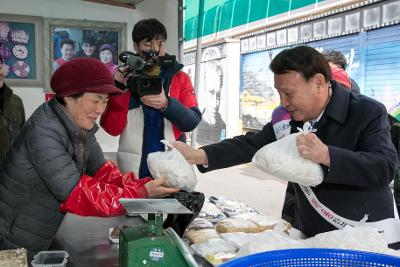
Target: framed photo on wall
point(21, 49)
point(66, 39)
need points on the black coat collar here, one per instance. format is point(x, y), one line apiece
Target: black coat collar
point(336, 109)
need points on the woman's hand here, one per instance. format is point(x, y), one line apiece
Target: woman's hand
point(156, 188)
point(193, 156)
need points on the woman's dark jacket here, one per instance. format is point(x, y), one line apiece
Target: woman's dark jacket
point(44, 164)
point(12, 117)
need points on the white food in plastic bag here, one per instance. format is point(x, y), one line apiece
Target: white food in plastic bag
point(269, 240)
point(233, 207)
point(357, 238)
point(173, 166)
point(238, 239)
point(213, 246)
point(230, 225)
point(282, 159)
point(211, 212)
point(261, 220)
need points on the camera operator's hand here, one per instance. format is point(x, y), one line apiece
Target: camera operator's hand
point(122, 74)
point(159, 101)
point(156, 188)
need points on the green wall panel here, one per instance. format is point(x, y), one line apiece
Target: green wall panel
point(299, 4)
point(277, 7)
point(220, 15)
point(191, 28)
point(240, 12)
point(258, 10)
point(211, 19)
point(226, 16)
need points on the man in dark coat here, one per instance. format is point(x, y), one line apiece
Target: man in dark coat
point(12, 114)
point(352, 145)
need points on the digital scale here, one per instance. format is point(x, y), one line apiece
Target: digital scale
point(149, 244)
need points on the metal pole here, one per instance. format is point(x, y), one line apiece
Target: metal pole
point(198, 59)
point(181, 8)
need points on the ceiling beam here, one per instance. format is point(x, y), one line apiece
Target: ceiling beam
point(113, 3)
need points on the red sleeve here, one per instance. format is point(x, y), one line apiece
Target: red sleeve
point(114, 117)
point(136, 189)
point(187, 95)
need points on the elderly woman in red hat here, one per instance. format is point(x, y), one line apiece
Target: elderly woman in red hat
point(55, 147)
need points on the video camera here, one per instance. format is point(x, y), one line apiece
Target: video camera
point(146, 78)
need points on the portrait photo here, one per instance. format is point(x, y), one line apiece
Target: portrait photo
point(69, 43)
point(69, 39)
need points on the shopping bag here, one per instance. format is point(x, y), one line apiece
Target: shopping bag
point(171, 165)
point(99, 195)
point(282, 159)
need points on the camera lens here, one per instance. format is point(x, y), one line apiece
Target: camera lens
point(145, 83)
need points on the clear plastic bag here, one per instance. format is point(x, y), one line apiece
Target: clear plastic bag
point(171, 165)
point(282, 159)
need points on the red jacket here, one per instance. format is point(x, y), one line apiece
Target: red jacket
point(181, 115)
point(114, 118)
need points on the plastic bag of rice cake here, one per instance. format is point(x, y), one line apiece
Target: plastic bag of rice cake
point(269, 240)
point(238, 239)
point(216, 251)
point(358, 238)
point(211, 212)
point(282, 159)
point(171, 165)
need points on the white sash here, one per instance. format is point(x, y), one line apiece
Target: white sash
point(390, 227)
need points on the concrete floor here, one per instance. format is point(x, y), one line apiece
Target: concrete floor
point(246, 183)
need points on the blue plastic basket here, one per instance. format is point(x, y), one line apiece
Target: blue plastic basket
point(315, 257)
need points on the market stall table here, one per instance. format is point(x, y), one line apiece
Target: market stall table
point(86, 240)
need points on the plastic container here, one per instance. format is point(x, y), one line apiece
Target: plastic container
point(315, 257)
point(52, 258)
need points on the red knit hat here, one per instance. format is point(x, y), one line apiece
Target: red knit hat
point(83, 75)
point(341, 77)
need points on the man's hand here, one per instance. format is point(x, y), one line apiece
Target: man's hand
point(310, 147)
point(159, 101)
point(155, 188)
point(193, 156)
point(122, 75)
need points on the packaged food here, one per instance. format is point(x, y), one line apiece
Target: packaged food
point(13, 257)
point(231, 225)
point(238, 239)
point(220, 257)
point(215, 251)
point(358, 238)
point(265, 222)
point(171, 165)
point(282, 159)
point(231, 206)
point(201, 236)
point(269, 240)
point(200, 223)
point(211, 212)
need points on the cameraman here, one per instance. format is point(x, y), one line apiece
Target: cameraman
point(143, 121)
